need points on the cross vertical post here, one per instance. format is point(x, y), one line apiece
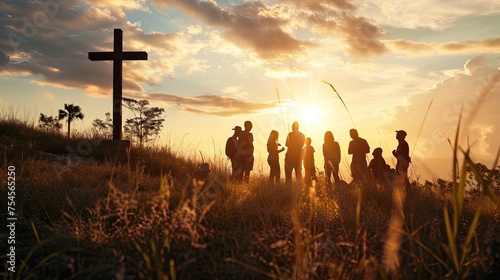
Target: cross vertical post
point(117, 56)
point(117, 86)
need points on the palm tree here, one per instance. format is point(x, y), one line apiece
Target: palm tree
point(71, 112)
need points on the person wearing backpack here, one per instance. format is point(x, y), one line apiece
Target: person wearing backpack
point(231, 149)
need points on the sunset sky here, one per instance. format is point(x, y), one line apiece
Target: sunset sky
point(215, 64)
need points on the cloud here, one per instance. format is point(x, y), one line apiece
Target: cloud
point(435, 15)
point(282, 72)
point(57, 51)
point(362, 36)
point(194, 29)
point(127, 5)
point(269, 31)
point(320, 5)
point(475, 92)
point(46, 94)
point(250, 25)
point(411, 47)
point(490, 44)
point(462, 47)
point(4, 59)
point(216, 105)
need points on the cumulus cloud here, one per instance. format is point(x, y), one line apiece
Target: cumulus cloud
point(216, 105)
point(269, 30)
point(454, 47)
point(248, 25)
point(362, 36)
point(57, 50)
point(475, 92)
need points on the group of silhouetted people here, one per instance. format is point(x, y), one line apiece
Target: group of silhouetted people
point(300, 152)
point(239, 148)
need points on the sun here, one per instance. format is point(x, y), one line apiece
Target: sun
point(310, 115)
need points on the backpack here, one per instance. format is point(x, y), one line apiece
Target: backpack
point(231, 147)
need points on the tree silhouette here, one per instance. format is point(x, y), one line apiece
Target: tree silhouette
point(103, 128)
point(71, 112)
point(147, 122)
point(49, 123)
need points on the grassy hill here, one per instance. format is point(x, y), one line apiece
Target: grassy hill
point(148, 218)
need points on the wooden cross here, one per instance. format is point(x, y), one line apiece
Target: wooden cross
point(117, 55)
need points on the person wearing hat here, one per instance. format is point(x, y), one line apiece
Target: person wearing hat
point(402, 154)
point(377, 166)
point(231, 149)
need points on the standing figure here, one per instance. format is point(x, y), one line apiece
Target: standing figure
point(308, 158)
point(273, 157)
point(231, 150)
point(358, 148)
point(378, 167)
point(331, 153)
point(245, 152)
point(293, 160)
point(402, 154)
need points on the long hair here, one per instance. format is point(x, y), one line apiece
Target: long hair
point(329, 138)
point(273, 136)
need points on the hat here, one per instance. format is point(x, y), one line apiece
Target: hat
point(401, 131)
point(237, 128)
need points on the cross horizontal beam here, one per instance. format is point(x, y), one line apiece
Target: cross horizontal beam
point(98, 56)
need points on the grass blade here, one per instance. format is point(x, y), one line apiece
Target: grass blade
point(428, 250)
point(345, 106)
point(456, 213)
point(451, 240)
point(473, 225)
point(422, 125)
point(281, 110)
point(461, 190)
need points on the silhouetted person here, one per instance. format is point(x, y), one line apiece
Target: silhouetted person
point(377, 166)
point(245, 152)
point(331, 153)
point(293, 160)
point(308, 159)
point(402, 154)
point(358, 148)
point(273, 157)
point(231, 150)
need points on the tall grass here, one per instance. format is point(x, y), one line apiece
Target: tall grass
point(149, 218)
